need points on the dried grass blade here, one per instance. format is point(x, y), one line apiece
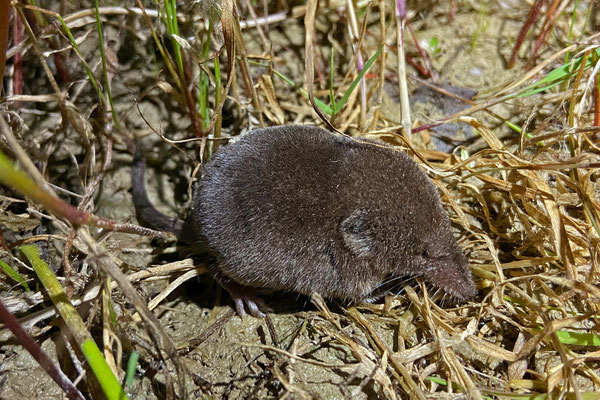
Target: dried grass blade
point(396, 364)
point(245, 65)
point(561, 241)
point(174, 285)
point(309, 66)
point(228, 26)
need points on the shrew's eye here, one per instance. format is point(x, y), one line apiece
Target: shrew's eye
point(424, 253)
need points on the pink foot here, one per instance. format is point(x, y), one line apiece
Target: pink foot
point(245, 298)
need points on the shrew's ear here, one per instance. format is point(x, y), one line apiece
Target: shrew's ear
point(357, 232)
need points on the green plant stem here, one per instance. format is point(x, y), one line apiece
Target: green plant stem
point(108, 381)
point(331, 91)
point(104, 70)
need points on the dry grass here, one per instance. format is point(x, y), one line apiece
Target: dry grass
point(521, 189)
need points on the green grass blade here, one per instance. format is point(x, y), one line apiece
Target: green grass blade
point(109, 383)
point(362, 73)
point(557, 76)
point(14, 275)
point(104, 69)
point(131, 366)
point(87, 68)
point(437, 380)
point(173, 29)
point(324, 107)
point(331, 92)
point(578, 338)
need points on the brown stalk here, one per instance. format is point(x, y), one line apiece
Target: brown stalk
point(356, 40)
point(400, 17)
point(244, 65)
point(39, 53)
point(60, 208)
point(18, 61)
point(4, 14)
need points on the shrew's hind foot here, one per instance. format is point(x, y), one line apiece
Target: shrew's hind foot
point(245, 298)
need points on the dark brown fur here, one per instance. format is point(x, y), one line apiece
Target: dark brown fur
point(298, 208)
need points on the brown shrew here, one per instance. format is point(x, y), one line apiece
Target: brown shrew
point(300, 209)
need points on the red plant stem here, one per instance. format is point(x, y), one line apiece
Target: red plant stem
point(420, 69)
point(596, 101)
point(25, 339)
point(191, 104)
point(17, 31)
point(551, 17)
point(61, 69)
point(427, 126)
point(533, 13)
point(3, 245)
point(426, 72)
point(4, 13)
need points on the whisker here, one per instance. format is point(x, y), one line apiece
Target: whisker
point(444, 298)
point(395, 278)
point(435, 297)
point(406, 282)
point(401, 286)
point(427, 287)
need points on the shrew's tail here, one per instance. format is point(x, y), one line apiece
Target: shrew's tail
point(146, 212)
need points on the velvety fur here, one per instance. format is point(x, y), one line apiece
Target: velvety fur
point(298, 208)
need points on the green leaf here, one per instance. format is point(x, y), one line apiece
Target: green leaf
point(434, 45)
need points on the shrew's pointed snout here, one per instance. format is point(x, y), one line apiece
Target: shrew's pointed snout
point(452, 277)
